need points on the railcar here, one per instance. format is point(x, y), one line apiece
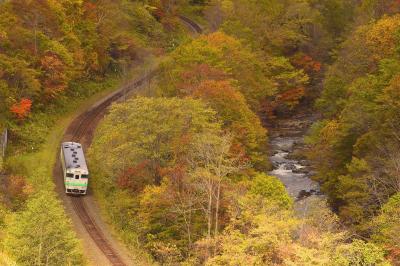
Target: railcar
point(74, 167)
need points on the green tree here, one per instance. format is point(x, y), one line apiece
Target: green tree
point(176, 161)
point(259, 230)
point(278, 26)
point(385, 228)
point(355, 148)
point(272, 189)
point(360, 253)
point(42, 235)
point(153, 131)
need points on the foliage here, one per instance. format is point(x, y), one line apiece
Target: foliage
point(232, 79)
point(277, 25)
point(21, 109)
point(249, 135)
point(151, 130)
point(17, 189)
point(355, 148)
point(360, 253)
point(41, 234)
point(224, 53)
point(6, 261)
point(175, 155)
point(386, 226)
point(261, 244)
point(48, 47)
point(178, 175)
point(272, 189)
point(361, 54)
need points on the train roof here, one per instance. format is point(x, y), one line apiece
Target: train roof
point(73, 156)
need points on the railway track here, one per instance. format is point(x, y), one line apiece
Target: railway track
point(95, 233)
point(81, 130)
point(193, 25)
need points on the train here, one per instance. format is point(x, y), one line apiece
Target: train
point(74, 168)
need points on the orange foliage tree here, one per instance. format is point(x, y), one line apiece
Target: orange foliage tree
point(191, 79)
point(21, 109)
point(54, 78)
point(291, 97)
point(306, 62)
point(249, 135)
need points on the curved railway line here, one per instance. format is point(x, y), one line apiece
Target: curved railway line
point(193, 25)
point(81, 130)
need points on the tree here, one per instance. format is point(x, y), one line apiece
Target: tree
point(41, 234)
point(360, 253)
point(22, 109)
point(225, 54)
point(271, 188)
point(259, 231)
point(177, 159)
point(155, 130)
point(359, 140)
point(361, 54)
point(249, 136)
point(17, 190)
point(278, 26)
point(385, 228)
point(6, 261)
point(210, 166)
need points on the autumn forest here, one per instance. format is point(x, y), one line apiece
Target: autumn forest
point(216, 132)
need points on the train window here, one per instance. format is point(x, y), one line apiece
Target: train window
point(76, 176)
point(70, 175)
point(84, 176)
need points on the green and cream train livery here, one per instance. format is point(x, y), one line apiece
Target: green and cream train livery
point(75, 171)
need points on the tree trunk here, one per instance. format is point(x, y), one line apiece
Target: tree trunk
point(217, 214)
point(209, 214)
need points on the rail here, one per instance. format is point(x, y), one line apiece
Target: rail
point(191, 24)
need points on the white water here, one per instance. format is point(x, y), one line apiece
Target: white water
point(293, 173)
point(285, 169)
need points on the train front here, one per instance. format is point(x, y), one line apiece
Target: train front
point(76, 181)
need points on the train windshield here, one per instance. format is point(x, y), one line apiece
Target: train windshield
point(69, 175)
point(84, 176)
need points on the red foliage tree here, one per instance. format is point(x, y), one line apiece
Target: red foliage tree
point(134, 178)
point(307, 63)
point(287, 99)
point(291, 97)
point(21, 109)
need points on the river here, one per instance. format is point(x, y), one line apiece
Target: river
point(289, 163)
